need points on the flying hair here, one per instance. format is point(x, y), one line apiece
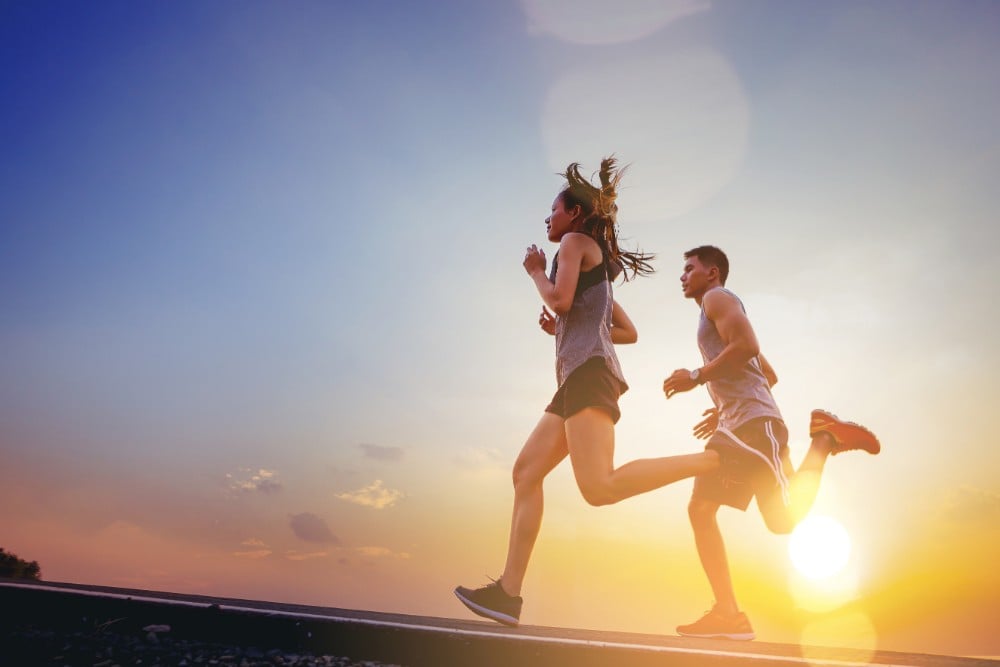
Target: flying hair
point(600, 212)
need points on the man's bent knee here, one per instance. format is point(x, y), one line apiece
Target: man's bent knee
point(702, 513)
point(779, 523)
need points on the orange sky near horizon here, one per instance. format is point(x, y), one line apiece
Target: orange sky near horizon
point(921, 590)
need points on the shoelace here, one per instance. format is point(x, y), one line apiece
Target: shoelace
point(494, 582)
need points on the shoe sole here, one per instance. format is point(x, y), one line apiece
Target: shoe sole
point(735, 636)
point(486, 612)
point(837, 420)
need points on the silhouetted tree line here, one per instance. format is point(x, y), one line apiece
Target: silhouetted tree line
point(17, 568)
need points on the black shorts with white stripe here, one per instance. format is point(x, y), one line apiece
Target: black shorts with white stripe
point(754, 462)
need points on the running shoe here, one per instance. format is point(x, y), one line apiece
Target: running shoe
point(491, 601)
point(846, 435)
point(717, 624)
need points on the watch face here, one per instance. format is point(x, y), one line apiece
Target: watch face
point(695, 374)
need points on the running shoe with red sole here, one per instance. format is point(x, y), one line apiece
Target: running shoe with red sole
point(846, 435)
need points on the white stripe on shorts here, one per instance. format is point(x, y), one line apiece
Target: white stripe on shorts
point(774, 463)
point(776, 457)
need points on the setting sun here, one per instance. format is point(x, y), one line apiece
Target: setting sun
point(819, 547)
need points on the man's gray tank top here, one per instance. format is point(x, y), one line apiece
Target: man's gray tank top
point(742, 396)
point(585, 331)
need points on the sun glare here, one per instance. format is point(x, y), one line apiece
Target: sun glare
point(819, 547)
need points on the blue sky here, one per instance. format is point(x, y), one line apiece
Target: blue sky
point(203, 196)
point(256, 257)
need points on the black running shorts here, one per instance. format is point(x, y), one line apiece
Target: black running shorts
point(591, 385)
point(754, 461)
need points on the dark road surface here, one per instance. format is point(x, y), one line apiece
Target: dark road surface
point(70, 624)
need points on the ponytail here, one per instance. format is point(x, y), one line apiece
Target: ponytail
point(600, 209)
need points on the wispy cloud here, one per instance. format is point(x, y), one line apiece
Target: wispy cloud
point(969, 504)
point(310, 528)
point(374, 495)
point(255, 549)
point(382, 552)
point(253, 555)
point(381, 453)
point(479, 458)
point(299, 556)
point(253, 480)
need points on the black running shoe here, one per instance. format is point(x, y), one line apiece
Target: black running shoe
point(719, 625)
point(492, 602)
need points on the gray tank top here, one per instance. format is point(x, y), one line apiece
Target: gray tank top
point(585, 331)
point(743, 396)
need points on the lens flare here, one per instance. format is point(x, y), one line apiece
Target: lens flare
point(600, 22)
point(824, 595)
point(681, 123)
point(849, 630)
point(819, 547)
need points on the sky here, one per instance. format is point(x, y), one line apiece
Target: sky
point(265, 333)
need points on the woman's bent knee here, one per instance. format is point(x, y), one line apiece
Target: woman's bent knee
point(597, 495)
point(523, 478)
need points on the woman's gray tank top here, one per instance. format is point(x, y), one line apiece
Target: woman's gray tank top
point(585, 331)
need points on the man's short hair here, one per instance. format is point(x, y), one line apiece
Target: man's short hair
point(709, 255)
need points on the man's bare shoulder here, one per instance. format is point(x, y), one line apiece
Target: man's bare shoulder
point(718, 301)
point(720, 295)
